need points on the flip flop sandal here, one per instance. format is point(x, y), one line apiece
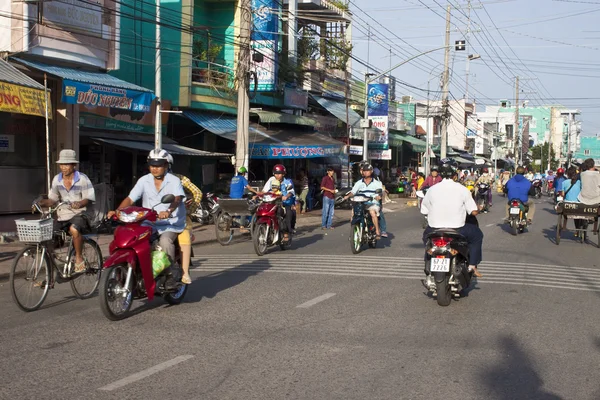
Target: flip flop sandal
point(79, 267)
point(186, 280)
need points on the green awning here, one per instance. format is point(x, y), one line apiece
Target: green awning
point(272, 117)
point(396, 139)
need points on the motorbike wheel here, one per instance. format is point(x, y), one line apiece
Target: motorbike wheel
point(260, 239)
point(514, 227)
point(176, 298)
point(85, 284)
point(356, 239)
point(558, 229)
point(481, 204)
point(373, 243)
point(113, 304)
point(287, 244)
point(444, 292)
point(223, 229)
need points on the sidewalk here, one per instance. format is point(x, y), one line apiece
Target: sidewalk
point(203, 233)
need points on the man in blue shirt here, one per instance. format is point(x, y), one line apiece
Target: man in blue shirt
point(238, 184)
point(518, 188)
point(558, 182)
point(151, 188)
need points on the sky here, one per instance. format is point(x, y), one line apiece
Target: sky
point(552, 45)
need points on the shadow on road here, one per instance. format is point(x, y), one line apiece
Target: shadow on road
point(211, 285)
point(7, 255)
point(515, 377)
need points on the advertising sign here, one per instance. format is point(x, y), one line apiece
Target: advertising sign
point(103, 118)
point(264, 40)
point(295, 98)
point(380, 154)
point(23, 100)
point(7, 143)
point(377, 100)
point(82, 15)
point(105, 96)
point(378, 136)
point(334, 88)
point(265, 151)
point(355, 150)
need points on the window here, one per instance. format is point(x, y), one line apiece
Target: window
point(586, 152)
point(509, 131)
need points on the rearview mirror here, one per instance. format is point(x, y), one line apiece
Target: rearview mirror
point(167, 199)
point(289, 187)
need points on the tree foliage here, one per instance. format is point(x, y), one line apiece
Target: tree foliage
point(541, 152)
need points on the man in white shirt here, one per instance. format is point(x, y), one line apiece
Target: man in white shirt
point(447, 204)
point(368, 186)
point(590, 183)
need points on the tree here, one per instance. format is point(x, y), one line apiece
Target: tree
point(540, 152)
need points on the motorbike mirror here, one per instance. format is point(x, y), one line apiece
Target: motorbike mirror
point(167, 199)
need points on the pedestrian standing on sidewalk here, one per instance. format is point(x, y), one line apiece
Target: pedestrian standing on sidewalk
point(303, 180)
point(328, 188)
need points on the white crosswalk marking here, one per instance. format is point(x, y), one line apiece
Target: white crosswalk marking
point(524, 274)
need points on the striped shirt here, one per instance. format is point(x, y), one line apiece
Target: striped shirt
point(82, 189)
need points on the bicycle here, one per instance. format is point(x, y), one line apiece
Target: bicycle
point(49, 258)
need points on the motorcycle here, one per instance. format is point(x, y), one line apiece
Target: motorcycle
point(421, 195)
point(267, 225)
point(339, 201)
point(471, 186)
point(483, 190)
point(363, 229)
point(447, 261)
point(207, 210)
point(517, 216)
point(536, 186)
point(128, 272)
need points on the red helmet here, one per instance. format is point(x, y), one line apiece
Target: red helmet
point(279, 169)
point(485, 170)
point(560, 171)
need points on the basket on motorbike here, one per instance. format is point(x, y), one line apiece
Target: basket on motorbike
point(581, 214)
point(233, 214)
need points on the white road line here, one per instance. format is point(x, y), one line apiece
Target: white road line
point(316, 300)
point(145, 373)
point(488, 225)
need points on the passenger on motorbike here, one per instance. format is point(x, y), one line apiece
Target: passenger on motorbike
point(590, 183)
point(447, 204)
point(151, 188)
point(368, 186)
point(433, 178)
point(487, 179)
point(279, 184)
point(76, 188)
point(558, 181)
point(518, 188)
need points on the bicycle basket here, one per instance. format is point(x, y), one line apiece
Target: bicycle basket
point(34, 231)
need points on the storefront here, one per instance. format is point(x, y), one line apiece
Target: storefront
point(22, 139)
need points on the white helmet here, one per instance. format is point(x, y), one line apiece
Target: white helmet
point(170, 160)
point(158, 157)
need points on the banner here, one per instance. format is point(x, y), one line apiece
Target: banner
point(23, 100)
point(266, 151)
point(264, 40)
point(74, 92)
point(102, 118)
point(380, 154)
point(378, 109)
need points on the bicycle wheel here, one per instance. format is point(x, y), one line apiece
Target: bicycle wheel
point(30, 278)
point(223, 228)
point(85, 284)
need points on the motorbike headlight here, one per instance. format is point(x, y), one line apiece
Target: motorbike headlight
point(132, 216)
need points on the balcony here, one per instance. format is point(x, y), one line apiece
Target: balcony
point(212, 74)
point(329, 8)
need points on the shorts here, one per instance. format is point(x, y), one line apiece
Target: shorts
point(185, 237)
point(374, 207)
point(80, 222)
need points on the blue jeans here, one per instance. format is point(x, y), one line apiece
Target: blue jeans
point(382, 223)
point(327, 215)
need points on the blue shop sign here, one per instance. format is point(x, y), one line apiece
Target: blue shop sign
point(74, 92)
point(266, 151)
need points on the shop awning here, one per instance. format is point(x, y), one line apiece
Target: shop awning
point(272, 117)
point(222, 125)
point(462, 161)
point(175, 149)
point(418, 145)
point(96, 88)
point(285, 143)
point(21, 94)
point(339, 110)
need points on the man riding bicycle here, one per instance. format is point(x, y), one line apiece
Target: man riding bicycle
point(151, 188)
point(75, 188)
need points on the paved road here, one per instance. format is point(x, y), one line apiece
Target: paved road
point(317, 322)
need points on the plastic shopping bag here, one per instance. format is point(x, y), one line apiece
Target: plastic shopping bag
point(160, 262)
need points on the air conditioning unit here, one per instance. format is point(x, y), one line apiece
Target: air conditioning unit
point(406, 99)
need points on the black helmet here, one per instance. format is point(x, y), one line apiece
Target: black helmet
point(435, 168)
point(448, 168)
point(366, 167)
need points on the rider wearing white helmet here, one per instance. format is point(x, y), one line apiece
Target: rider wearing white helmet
point(151, 188)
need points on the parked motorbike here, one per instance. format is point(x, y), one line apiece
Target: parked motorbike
point(517, 216)
point(208, 209)
point(267, 225)
point(421, 195)
point(447, 260)
point(536, 186)
point(127, 273)
point(339, 201)
point(363, 229)
point(483, 190)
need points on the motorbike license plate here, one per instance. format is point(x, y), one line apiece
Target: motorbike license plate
point(515, 211)
point(440, 265)
point(559, 198)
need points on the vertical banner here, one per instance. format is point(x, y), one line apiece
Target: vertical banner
point(264, 40)
point(378, 109)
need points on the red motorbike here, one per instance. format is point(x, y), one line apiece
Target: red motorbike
point(267, 226)
point(127, 273)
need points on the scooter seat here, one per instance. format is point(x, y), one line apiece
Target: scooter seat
point(453, 233)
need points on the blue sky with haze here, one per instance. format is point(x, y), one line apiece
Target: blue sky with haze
point(553, 45)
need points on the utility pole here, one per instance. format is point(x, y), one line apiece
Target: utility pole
point(517, 131)
point(445, 116)
point(243, 106)
point(569, 140)
point(550, 140)
point(366, 130)
point(157, 84)
point(468, 57)
point(293, 32)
